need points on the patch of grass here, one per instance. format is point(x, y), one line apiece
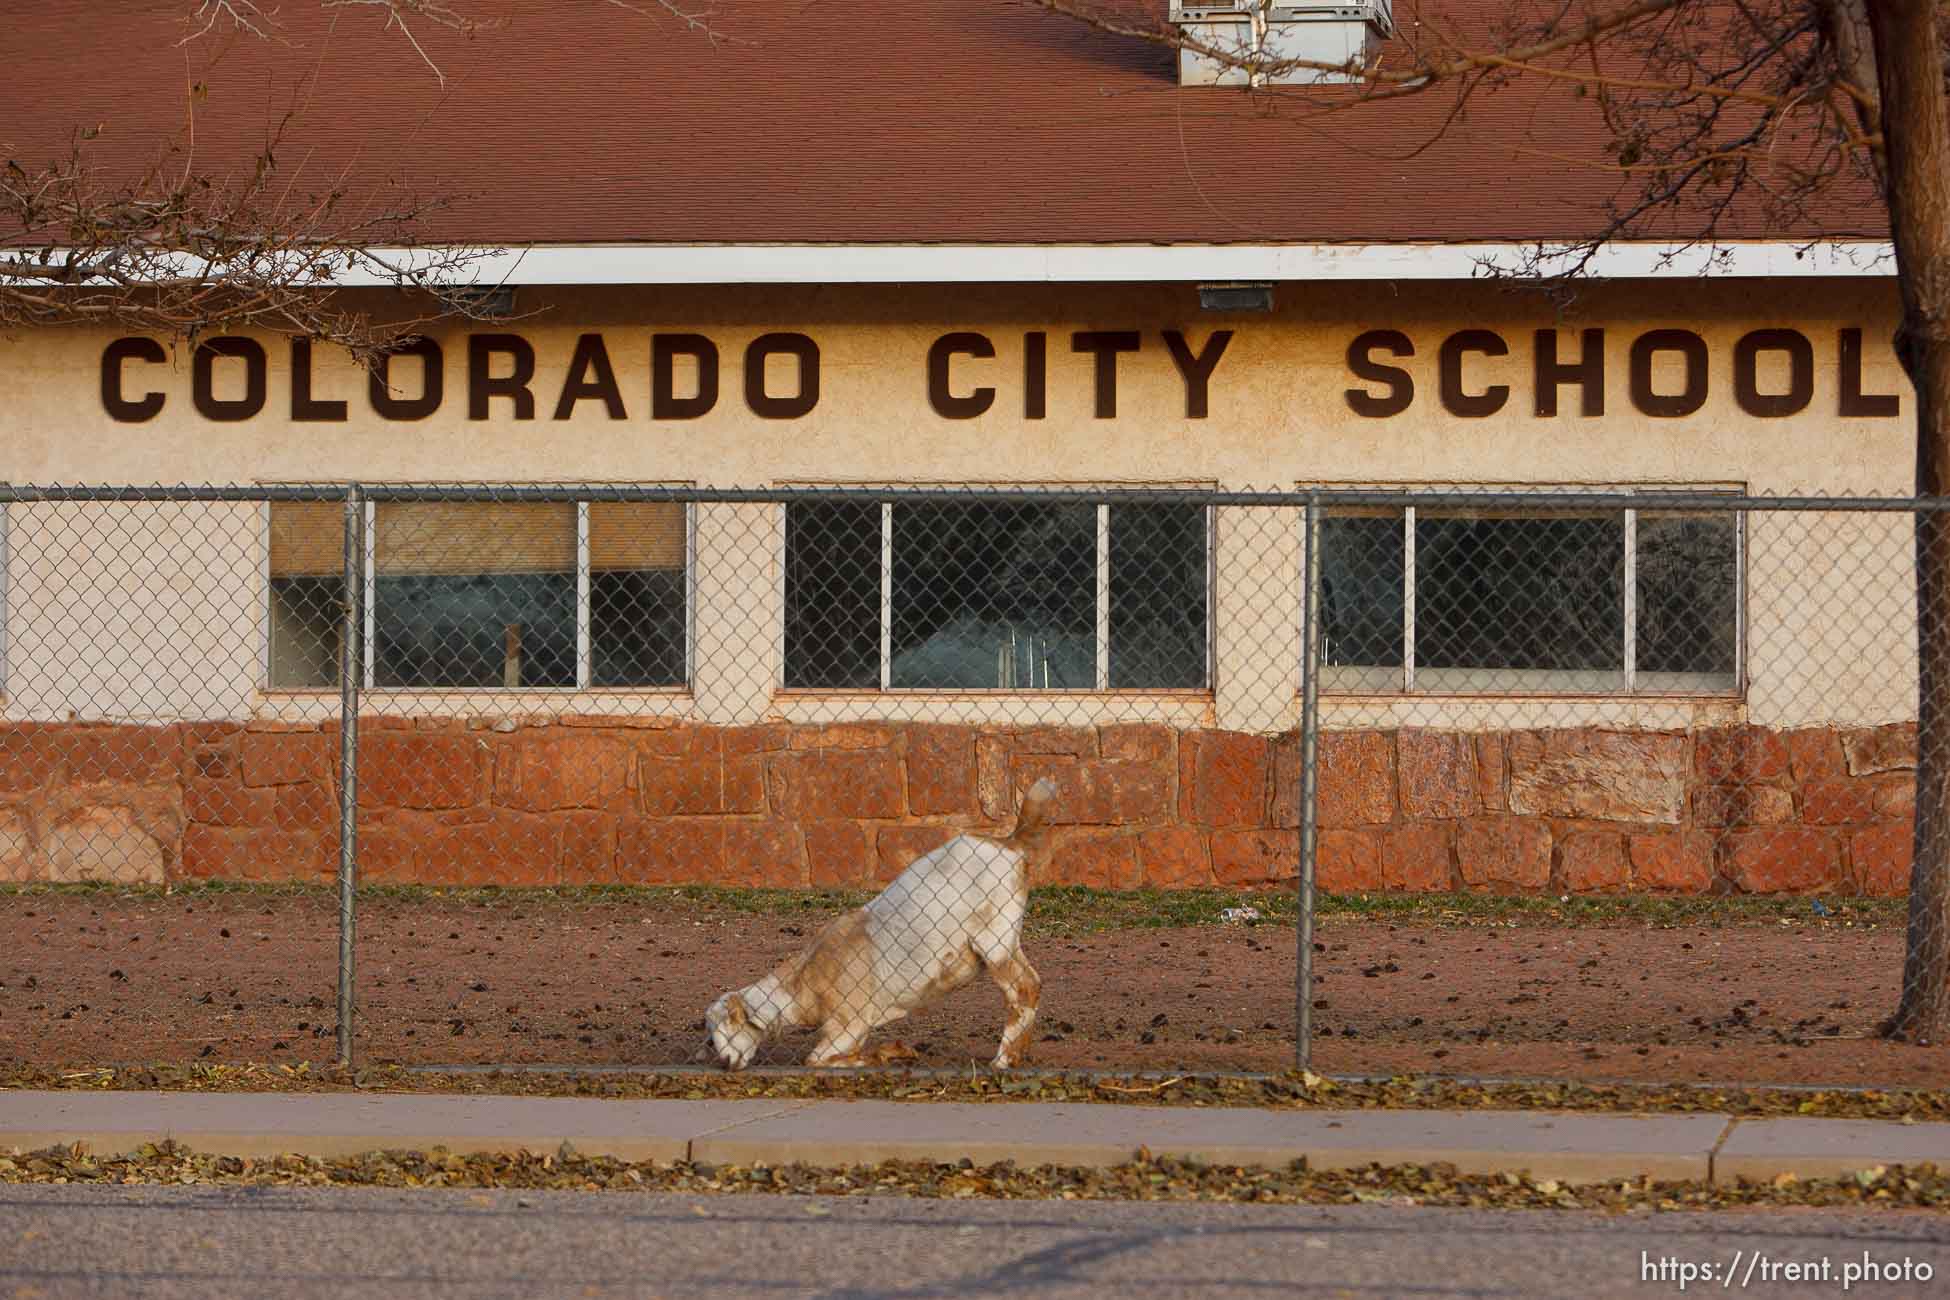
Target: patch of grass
point(99, 889)
point(675, 900)
point(1654, 910)
point(1076, 909)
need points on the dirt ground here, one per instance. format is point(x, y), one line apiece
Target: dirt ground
point(94, 980)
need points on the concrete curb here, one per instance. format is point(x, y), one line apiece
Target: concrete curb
point(1760, 1149)
point(1569, 1147)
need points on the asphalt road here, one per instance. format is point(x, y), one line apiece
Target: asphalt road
point(162, 1242)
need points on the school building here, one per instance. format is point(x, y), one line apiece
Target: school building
point(960, 246)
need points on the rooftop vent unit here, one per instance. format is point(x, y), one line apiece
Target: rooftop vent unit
point(1259, 36)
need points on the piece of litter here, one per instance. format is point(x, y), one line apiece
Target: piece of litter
point(1239, 914)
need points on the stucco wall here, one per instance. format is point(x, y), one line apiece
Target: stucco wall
point(1277, 412)
point(1829, 616)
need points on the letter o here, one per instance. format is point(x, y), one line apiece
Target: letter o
point(1689, 399)
point(203, 378)
point(1801, 372)
point(762, 403)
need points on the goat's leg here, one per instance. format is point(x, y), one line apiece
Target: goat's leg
point(1022, 988)
point(839, 1043)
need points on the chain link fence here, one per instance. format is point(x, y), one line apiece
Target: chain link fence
point(1585, 784)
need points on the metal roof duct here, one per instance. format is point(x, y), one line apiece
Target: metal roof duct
point(1260, 37)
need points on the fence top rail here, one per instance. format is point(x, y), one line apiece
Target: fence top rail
point(1323, 498)
point(20, 493)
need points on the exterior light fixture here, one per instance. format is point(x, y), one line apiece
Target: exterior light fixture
point(495, 302)
point(1236, 295)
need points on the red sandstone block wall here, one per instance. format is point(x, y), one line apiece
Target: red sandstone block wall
point(605, 800)
point(1730, 809)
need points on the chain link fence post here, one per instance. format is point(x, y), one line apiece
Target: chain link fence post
point(1309, 760)
point(351, 662)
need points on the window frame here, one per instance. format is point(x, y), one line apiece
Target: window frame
point(585, 646)
point(1630, 687)
point(1101, 594)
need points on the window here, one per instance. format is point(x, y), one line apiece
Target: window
point(306, 575)
point(997, 596)
point(486, 595)
point(1530, 601)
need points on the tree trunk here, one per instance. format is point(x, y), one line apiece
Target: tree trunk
point(1916, 148)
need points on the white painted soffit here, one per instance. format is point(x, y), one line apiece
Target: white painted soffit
point(613, 264)
point(594, 264)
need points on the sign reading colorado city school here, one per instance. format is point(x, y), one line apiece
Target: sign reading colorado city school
point(962, 380)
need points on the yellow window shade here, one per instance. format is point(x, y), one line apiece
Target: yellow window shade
point(636, 535)
point(307, 539)
point(437, 537)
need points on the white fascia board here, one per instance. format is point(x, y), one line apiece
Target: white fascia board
point(621, 264)
point(596, 264)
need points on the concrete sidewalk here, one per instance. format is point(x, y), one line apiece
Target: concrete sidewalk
point(1564, 1146)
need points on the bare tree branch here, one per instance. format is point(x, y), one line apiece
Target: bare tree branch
point(180, 251)
point(187, 254)
point(243, 15)
point(1790, 109)
point(1709, 106)
point(250, 18)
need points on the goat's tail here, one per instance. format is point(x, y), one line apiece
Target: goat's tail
point(1032, 821)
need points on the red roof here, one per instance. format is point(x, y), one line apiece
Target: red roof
point(979, 121)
